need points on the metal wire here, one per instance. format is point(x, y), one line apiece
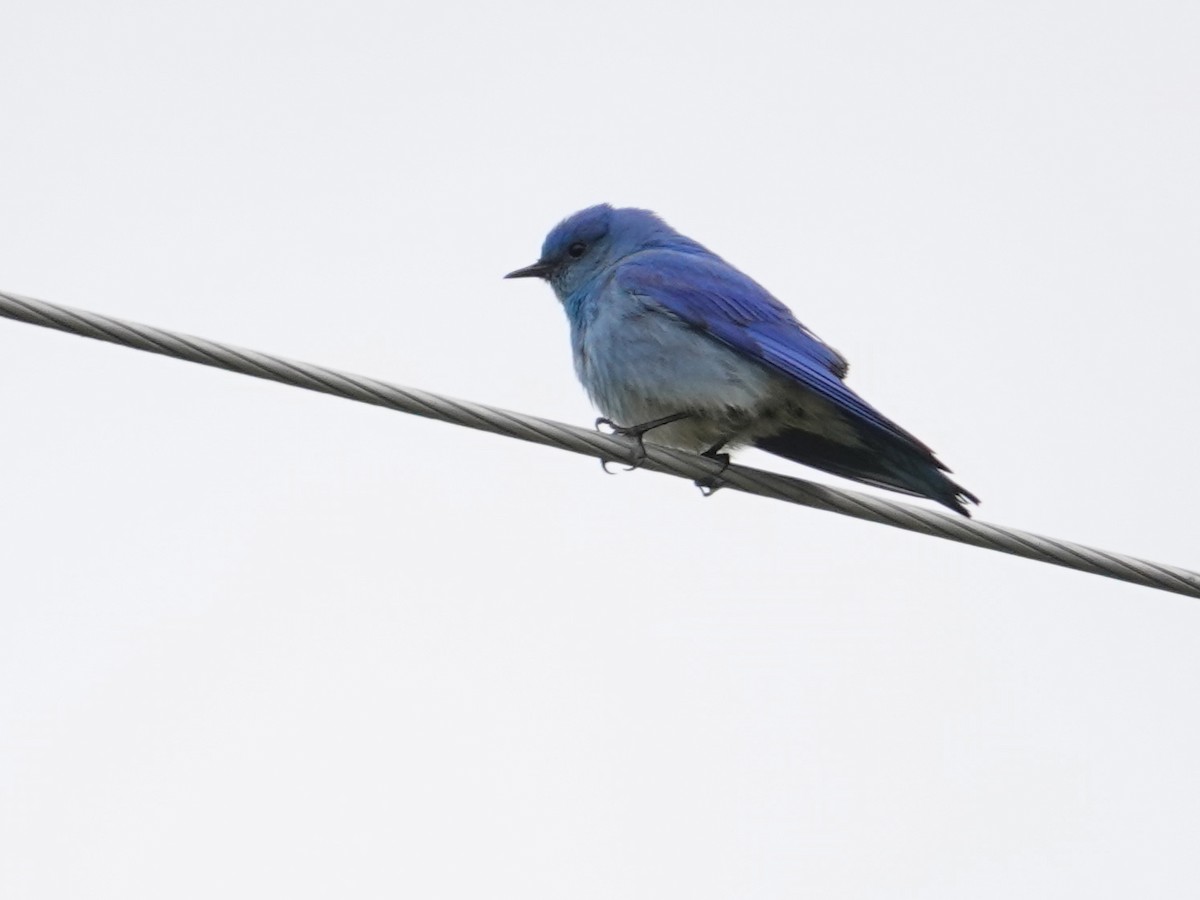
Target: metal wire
point(607, 447)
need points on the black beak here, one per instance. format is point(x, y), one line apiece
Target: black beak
point(537, 270)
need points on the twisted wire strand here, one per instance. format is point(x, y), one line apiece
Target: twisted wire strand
point(610, 448)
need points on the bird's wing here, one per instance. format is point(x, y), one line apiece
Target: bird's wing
point(708, 293)
point(712, 296)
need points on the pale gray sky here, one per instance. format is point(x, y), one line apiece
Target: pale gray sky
point(260, 642)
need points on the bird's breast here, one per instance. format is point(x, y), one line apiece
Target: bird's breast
point(640, 362)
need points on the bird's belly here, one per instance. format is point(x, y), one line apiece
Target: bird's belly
point(642, 365)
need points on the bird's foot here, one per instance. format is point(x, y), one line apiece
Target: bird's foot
point(710, 484)
point(637, 432)
point(639, 449)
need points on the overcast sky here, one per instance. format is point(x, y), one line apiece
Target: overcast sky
point(260, 642)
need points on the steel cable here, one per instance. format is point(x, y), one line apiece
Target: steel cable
point(607, 447)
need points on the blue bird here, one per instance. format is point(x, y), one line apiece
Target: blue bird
point(670, 338)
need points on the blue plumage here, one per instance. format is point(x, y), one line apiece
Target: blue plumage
point(661, 327)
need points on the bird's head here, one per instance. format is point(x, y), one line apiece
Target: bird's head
point(584, 244)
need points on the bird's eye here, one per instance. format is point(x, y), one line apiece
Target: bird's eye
point(576, 249)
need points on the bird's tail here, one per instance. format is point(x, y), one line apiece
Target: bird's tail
point(884, 461)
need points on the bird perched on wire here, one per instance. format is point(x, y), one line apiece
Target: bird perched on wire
point(671, 339)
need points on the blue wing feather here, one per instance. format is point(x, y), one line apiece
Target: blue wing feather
point(709, 294)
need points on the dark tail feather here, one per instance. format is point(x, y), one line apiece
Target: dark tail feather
point(887, 463)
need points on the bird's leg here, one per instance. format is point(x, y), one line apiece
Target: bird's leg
point(637, 432)
point(710, 484)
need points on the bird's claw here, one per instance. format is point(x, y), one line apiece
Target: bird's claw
point(636, 465)
point(710, 484)
point(639, 450)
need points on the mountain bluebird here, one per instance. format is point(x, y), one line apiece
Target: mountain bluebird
point(670, 338)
